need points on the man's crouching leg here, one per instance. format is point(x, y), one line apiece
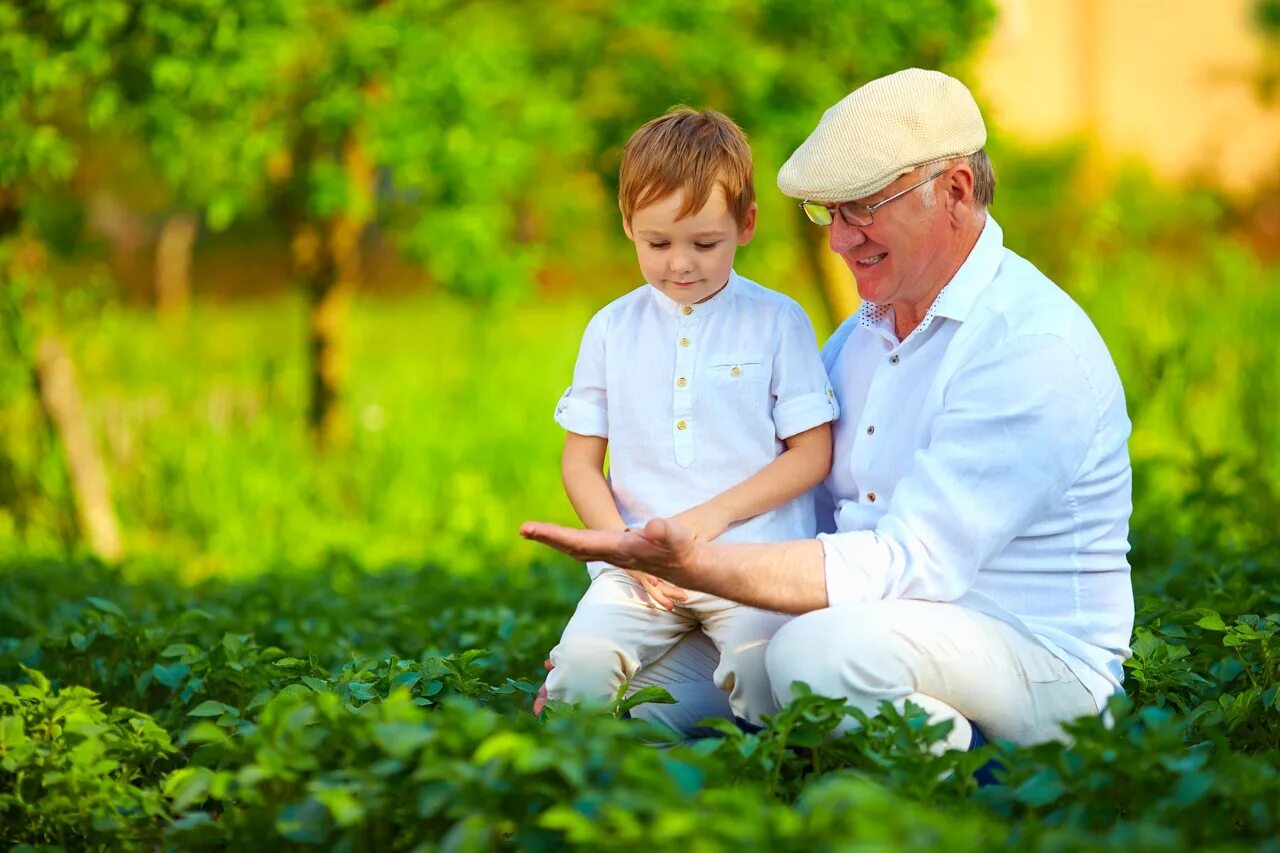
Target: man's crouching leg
point(955, 663)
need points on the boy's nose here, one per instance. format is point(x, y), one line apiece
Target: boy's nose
point(681, 263)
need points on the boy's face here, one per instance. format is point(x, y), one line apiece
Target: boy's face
point(688, 259)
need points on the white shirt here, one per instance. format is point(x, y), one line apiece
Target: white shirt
point(983, 460)
point(696, 399)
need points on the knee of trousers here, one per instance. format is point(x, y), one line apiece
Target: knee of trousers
point(587, 668)
point(839, 652)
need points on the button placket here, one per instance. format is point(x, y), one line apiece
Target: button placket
point(682, 387)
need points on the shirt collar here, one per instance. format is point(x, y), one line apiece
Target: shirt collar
point(956, 298)
point(715, 303)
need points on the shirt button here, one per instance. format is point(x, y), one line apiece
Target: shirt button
point(681, 425)
point(684, 342)
point(871, 430)
point(831, 393)
point(893, 359)
point(681, 382)
point(687, 310)
point(871, 496)
point(737, 371)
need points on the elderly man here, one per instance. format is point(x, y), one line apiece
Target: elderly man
point(974, 562)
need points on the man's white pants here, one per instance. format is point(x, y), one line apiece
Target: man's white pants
point(954, 662)
point(617, 632)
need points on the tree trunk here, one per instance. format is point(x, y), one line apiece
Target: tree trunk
point(330, 255)
point(835, 281)
point(173, 267)
point(62, 405)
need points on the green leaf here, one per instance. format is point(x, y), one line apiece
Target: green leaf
point(645, 695)
point(187, 786)
point(1040, 790)
point(688, 777)
point(344, 807)
point(1211, 620)
point(106, 606)
point(210, 708)
point(171, 676)
point(304, 822)
point(12, 733)
point(1192, 788)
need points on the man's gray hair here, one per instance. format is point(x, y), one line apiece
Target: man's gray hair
point(984, 180)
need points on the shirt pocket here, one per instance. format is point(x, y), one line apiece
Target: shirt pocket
point(745, 379)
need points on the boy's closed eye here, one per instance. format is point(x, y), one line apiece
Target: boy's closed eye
point(654, 244)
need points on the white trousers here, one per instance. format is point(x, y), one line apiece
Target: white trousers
point(617, 632)
point(956, 663)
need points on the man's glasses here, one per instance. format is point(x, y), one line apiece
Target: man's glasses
point(854, 213)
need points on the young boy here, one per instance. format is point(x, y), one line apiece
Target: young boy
point(709, 394)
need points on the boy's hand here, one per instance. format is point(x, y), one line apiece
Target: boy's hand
point(540, 701)
point(704, 521)
point(661, 593)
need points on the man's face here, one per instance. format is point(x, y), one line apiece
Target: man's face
point(688, 259)
point(892, 257)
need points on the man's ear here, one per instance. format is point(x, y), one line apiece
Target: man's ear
point(957, 188)
point(748, 229)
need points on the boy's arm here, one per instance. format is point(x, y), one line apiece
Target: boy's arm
point(582, 470)
point(800, 467)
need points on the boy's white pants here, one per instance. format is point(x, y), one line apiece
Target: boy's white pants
point(954, 662)
point(617, 631)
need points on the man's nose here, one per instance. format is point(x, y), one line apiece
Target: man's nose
point(843, 237)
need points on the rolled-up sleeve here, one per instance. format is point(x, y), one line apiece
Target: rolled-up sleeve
point(583, 408)
point(1014, 432)
point(803, 397)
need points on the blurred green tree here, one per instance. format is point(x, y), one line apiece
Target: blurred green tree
point(53, 58)
point(461, 129)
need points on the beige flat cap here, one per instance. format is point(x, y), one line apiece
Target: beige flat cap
point(881, 131)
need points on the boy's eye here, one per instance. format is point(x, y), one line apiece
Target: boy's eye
point(707, 245)
point(657, 244)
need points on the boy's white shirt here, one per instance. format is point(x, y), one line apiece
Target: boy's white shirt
point(751, 376)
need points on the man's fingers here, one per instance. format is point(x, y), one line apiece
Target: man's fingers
point(548, 665)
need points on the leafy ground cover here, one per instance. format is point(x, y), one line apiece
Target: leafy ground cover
point(333, 707)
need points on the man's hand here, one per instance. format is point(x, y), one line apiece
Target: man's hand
point(664, 548)
point(704, 521)
point(661, 593)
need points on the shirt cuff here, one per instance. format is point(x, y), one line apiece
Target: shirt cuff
point(583, 418)
point(801, 413)
point(846, 579)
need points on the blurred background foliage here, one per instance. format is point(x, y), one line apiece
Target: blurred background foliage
point(321, 267)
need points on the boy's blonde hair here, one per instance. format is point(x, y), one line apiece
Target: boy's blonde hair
point(690, 150)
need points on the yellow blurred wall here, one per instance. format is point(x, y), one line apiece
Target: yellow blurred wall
point(1169, 81)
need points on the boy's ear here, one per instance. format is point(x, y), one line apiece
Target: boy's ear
point(748, 229)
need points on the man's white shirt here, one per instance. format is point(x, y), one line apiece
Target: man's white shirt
point(696, 399)
point(983, 460)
